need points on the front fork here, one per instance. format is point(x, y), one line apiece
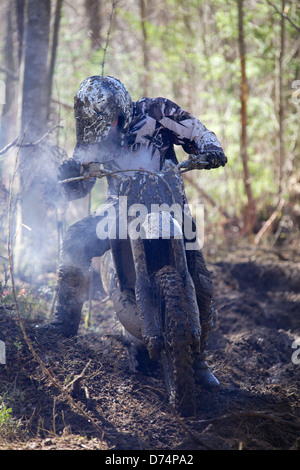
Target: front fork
point(190, 294)
point(148, 312)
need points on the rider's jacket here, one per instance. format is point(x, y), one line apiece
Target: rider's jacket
point(157, 125)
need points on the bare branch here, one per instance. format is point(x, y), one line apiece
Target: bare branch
point(284, 15)
point(203, 193)
point(114, 4)
point(268, 223)
point(17, 143)
point(62, 103)
point(8, 72)
point(8, 146)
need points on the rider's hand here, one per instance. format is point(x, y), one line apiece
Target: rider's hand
point(68, 169)
point(215, 159)
point(206, 160)
point(71, 168)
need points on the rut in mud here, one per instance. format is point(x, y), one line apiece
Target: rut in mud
point(257, 309)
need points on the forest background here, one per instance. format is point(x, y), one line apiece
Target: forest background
point(233, 64)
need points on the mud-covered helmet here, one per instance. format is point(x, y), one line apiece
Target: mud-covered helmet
point(97, 104)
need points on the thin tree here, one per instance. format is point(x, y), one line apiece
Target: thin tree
point(145, 45)
point(281, 107)
point(57, 17)
point(251, 211)
point(94, 16)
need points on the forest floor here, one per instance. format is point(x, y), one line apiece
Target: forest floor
point(101, 405)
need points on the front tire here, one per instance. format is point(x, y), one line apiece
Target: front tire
point(176, 357)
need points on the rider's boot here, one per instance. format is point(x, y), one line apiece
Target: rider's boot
point(204, 290)
point(203, 373)
point(72, 286)
point(204, 376)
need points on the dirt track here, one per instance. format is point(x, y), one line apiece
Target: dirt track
point(257, 310)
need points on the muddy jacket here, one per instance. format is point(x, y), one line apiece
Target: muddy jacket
point(157, 125)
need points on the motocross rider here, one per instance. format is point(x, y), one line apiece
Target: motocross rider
point(111, 128)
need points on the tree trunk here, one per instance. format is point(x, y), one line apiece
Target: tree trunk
point(9, 90)
point(250, 213)
point(35, 79)
point(281, 110)
point(20, 7)
point(145, 46)
point(54, 45)
point(35, 104)
point(93, 12)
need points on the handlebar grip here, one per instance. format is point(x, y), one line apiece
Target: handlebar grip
point(203, 161)
point(87, 171)
point(194, 163)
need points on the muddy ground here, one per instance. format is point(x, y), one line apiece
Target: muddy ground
point(97, 403)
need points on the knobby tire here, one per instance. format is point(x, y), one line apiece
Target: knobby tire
point(176, 357)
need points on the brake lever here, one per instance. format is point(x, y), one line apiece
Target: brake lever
point(92, 170)
point(193, 163)
point(87, 170)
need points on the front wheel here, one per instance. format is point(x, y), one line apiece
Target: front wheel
point(176, 356)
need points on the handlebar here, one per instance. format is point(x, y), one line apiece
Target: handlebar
point(93, 170)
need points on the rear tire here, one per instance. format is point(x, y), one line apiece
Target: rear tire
point(176, 357)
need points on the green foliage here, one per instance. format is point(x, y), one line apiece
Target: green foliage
point(193, 59)
point(5, 416)
point(10, 396)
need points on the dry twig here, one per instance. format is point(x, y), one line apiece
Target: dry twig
point(195, 436)
point(284, 15)
point(19, 143)
point(268, 223)
point(114, 4)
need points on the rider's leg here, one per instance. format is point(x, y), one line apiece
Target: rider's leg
point(81, 243)
point(204, 292)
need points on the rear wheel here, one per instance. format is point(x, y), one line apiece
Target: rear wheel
point(176, 356)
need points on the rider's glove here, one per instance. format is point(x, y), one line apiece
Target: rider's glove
point(209, 159)
point(68, 169)
point(215, 159)
point(71, 168)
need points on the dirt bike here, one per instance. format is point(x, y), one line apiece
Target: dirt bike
point(146, 272)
